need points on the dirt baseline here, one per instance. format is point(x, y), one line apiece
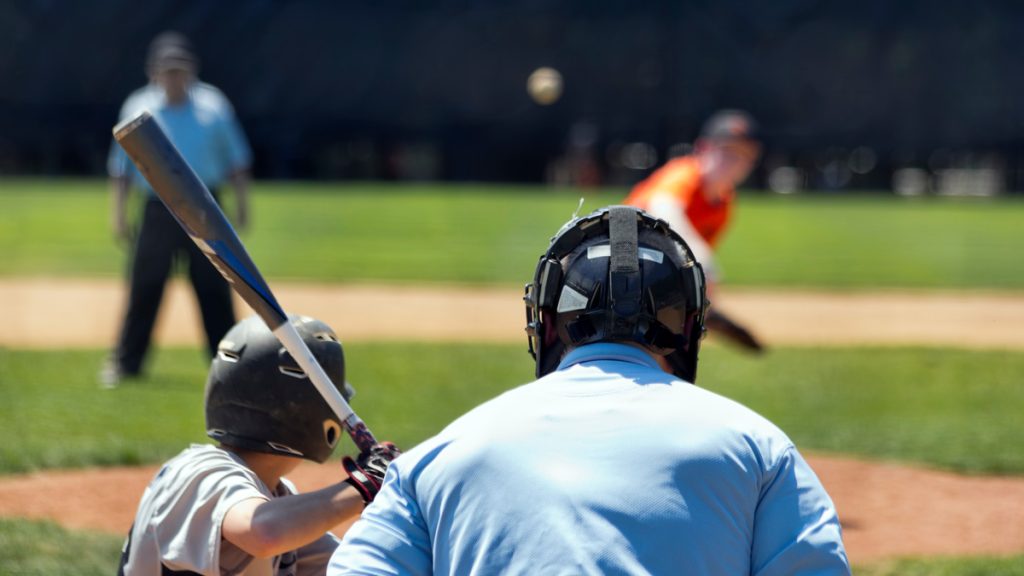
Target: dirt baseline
point(887, 510)
point(63, 313)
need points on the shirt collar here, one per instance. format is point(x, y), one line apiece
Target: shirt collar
point(607, 351)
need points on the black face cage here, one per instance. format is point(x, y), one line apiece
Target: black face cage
point(622, 225)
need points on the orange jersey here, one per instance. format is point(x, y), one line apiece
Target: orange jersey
point(681, 179)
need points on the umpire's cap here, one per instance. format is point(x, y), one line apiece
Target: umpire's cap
point(171, 50)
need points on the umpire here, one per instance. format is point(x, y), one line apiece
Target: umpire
point(201, 123)
point(612, 462)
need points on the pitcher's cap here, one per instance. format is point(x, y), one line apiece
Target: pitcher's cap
point(729, 125)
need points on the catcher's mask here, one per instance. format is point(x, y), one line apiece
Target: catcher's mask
point(617, 274)
point(258, 398)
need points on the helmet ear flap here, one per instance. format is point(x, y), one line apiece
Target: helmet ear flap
point(549, 278)
point(552, 345)
point(684, 360)
point(541, 298)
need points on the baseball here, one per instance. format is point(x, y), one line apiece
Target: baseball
point(544, 85)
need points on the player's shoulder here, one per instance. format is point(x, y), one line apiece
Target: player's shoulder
point(199, 476)
point(712, 402)
point(679, 176)
point(203, 461)
point(499, 408)
point(209, 97)
point(678, 164)
point(683, 167)
point(471, 432)
point(208, 91)
point(740, 423)
point(142, 98)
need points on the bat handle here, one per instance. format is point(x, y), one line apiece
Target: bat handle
point(361, 435)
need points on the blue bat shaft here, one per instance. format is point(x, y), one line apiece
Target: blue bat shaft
point(192, 205)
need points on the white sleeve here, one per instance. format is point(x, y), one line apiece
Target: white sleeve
point(669, 209)
point(188, 531)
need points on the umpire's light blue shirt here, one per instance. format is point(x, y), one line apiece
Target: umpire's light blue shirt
point(203, 128)
point(606, 466)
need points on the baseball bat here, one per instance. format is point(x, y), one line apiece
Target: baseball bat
point(192, 205)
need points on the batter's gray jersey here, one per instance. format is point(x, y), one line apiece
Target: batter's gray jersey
point(177, 528)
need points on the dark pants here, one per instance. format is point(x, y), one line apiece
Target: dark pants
point(161, 242)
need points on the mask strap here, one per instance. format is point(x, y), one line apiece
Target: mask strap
point(623, 272)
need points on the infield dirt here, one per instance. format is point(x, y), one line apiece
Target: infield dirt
point(88, 314)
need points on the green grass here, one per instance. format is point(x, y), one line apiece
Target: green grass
point(865, 241)
point(980, 566)
point(42, 549)
point(29, 548)
point(948, 408)
point(493, 234)
point(61, 418)
point(953, 409)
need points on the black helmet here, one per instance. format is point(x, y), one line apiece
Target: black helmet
point(258, 398)
point(617, 274)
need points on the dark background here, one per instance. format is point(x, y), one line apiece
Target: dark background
point(416, 90)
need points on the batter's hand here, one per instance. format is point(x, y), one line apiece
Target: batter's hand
point(366, 472)
point(719, 323)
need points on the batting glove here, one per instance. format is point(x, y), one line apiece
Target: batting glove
point(366, 471)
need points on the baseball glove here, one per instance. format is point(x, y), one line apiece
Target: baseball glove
point(721, 324)
point(366, 472)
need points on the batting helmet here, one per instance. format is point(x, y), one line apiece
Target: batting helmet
point(258, 398)
point(617, 274)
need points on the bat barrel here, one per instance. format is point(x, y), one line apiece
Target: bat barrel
point(190, 201)
point(166, 170)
